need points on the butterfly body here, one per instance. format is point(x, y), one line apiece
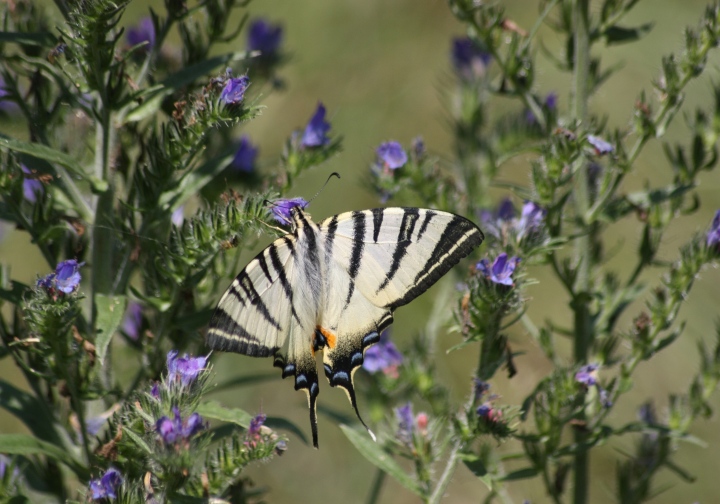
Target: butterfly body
point(333, 286)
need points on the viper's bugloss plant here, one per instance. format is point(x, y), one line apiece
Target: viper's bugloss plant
point(133, 180)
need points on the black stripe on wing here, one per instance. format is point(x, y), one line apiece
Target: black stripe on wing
point(404, 240)
point(357, 250)
point(458, 239)
point(227, 335)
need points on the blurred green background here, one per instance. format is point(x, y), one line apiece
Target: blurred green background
point(383, 71)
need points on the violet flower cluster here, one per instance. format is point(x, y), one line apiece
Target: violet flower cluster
point(66, 277)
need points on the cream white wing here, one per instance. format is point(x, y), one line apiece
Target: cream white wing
point(375, 261)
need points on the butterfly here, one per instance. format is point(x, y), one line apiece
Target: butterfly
point(333, 286)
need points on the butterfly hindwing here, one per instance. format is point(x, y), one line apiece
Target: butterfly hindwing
point(333, 286)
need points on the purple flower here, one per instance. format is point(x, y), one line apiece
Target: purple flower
point(549, 104)
point(155, 391)
point(532, 218)
point(484, 410)
point(481, 388)
point(144, 31)
point(587, 375)
point(469, 59)
point(175, 429)
point(184, 369)
point(245, 156)
point(178, 216)
point(713, 236)
point(315, 134)
point(501, 270)
point(391, 155)
point(281, 209)
point(601, 146)
point(264, 37)
point(106, 487)
point(132, 320)
point(192, 426)
point(418, 147)
point(67, 275)
point(496, 223)
point(32, 188)
point(383, 356)
point(406, 422)
point(234, 90)
point(646, 413)
point(255, 425)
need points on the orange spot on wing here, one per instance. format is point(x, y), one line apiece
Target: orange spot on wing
point(330, 337)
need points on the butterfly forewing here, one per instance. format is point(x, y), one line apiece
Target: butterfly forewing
point(333, 286)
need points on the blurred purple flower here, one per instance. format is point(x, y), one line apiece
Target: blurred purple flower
point(383, 356)
point(178, 216)
point(531, 220)
point(501, 270)
point(549, 104)
point(144, 31)
point(497, 222)
point(256, 425)
point(481, 388)
point(469, 59)
point(245, 156)
point(713, 236)
point(6, 105)
point(601, 146)
point(604, 397)
point(106, 487)
point(418, 147)
point(391, 155)
point(315, 134)
point(32, 188)
point(281, 208)
point(184, 369)
point(646, 413)
point(406, 422)
point(264, 37)
point(155, 390)
point(587, 375)
point(484, 410)
point(234, 90)
point(132, 320)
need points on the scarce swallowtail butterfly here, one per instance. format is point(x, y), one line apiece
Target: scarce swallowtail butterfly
point(333, 286)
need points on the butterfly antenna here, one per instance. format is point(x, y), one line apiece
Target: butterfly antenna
point(333, 174)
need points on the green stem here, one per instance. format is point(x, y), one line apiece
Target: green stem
point(447, 474)
point(581, 298)
point(377, 485)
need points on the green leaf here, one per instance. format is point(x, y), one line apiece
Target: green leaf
point(376, 455)
point(41, 39)
point(528, 472)
point(15, 293)
point(42, 152)
point(282, 423)
point(620, 35)
point(216, 411)
point(476, 466)
point(138, 440)
point(24, 444)
point(31, 411)
point(110, 310)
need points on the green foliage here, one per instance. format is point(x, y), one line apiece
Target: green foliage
point(126, 169)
